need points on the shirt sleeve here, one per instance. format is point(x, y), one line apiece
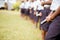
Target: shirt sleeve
point(55, 4)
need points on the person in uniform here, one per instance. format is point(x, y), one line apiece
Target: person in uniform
point(27, 5)
point(37, 9)
point(53, 32)
point(32, 10)
point(22, 8)
point(45, 12)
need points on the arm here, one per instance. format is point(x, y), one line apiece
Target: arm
point(53, 15)
point(47, 2)
point(57, 12)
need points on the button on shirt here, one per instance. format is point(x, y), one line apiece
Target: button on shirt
point(35, 4)
point(31, 5)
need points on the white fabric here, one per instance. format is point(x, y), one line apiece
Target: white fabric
point(46, 0)
point(37, 5)
point(27, 5)
point(22, 5)
point(55, 4)
point(40, 7)
point(46, 5)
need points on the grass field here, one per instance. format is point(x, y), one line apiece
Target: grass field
point(14, 27)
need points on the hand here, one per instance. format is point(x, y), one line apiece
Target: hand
point(40, 14)
point(48, 18)
point(37, 14)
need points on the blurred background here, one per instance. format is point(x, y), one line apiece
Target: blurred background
point(9, 4)
point(13, 26)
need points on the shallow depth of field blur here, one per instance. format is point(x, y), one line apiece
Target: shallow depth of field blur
point(14, 27)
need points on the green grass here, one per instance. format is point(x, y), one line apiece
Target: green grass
point(14, 27)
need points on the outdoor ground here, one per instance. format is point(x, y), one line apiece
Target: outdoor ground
point(14, 27)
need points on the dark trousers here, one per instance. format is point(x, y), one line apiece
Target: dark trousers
point(53, 32)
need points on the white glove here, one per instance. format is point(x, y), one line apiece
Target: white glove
point(37, 14)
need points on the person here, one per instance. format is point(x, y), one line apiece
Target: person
point(32, 10)
point(22, 8)
point(27, 5)
point(53, 32)
point(37, 9)
point(45, 12)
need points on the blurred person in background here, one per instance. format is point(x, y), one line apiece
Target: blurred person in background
point(45, 12)
point(22, 7)
point(27, 6)
point(37, 9)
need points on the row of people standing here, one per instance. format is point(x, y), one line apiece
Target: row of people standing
point(29, 8)
point(35, 10)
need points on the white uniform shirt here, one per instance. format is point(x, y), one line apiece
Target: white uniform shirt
point(27, 5)
point(55, 4)
point(22, 5)
point(31, 5)
point(46, 5)
point(37, 5)
point(40, 7)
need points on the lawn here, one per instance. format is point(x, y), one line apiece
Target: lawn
point(14, 27)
